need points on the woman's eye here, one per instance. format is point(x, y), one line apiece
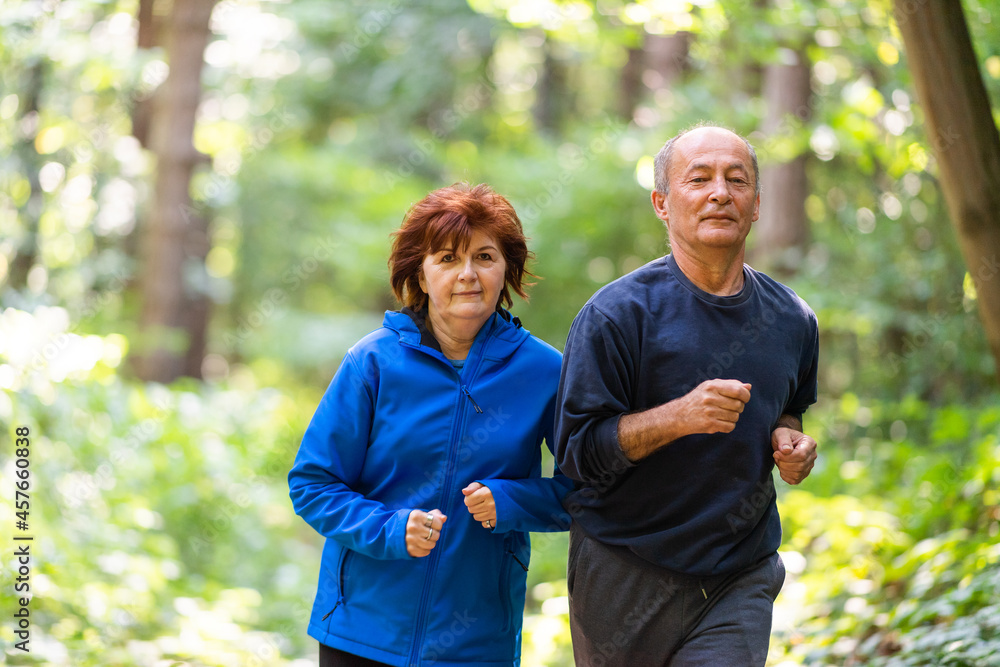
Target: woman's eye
point(486, 257)
point(447, 258)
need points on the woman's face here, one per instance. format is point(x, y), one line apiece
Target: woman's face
point(463, 285)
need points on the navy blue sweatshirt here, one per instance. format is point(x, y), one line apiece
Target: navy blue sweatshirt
point(705, 503)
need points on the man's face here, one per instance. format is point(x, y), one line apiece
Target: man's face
point(712, 202)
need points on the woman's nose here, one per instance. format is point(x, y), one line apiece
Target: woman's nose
point(468, 271)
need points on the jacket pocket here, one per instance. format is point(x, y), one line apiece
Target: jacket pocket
point(345, 554)
point(509, 561)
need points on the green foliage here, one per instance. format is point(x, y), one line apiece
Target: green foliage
point(164, 528)
point(162, 522)
point(891, 546)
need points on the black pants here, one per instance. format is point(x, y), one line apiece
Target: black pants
point(627, 611)
point(331, 657)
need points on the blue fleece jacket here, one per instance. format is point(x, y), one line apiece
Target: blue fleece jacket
point(704, 504)
point(400, 428)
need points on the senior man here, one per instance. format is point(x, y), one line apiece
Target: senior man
point(683, 384)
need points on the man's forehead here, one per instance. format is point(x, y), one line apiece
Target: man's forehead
point(707, 144)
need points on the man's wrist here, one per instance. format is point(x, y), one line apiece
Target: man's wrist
point(789, 421)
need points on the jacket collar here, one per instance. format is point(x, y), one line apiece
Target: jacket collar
point(503, 331)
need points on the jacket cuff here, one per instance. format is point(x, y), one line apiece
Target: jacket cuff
point(395, 531)
point(501, 499)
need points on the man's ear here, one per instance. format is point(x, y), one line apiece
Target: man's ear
point(660, 206)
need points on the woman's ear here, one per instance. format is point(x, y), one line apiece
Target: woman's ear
point(422, 281)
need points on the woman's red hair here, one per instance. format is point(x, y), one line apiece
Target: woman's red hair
point(447, 218)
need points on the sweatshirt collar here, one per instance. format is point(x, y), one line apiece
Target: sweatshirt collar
point(734, 300)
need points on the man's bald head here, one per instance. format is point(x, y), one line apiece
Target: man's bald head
point(663, 159)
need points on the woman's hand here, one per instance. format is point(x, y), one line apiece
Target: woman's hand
point(423, 529)
point(479, 501)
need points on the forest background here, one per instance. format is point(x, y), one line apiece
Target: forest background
point(195, 208)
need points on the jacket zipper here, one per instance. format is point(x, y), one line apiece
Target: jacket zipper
point(504, 592)
point(340, 577)
point(436, 553)
point(474, 404)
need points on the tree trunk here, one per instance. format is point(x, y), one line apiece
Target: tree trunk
point(149, 25)
point(167, 339)
point(781, 233)
point(197, 307)
point(148, 36)
point(669, 55)
point(30, 163)
point(630, 84)
point(665, 57)
point(965, 141)
point(551, 93)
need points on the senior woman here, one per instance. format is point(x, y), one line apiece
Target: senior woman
point(422, 464)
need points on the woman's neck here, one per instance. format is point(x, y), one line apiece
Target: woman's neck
point(454, 337)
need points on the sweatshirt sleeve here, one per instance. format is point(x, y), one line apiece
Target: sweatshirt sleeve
point(805, 391)
point(329, 462)
point(594, 392)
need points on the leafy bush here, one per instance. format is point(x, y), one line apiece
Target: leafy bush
point(899, 564)
point(162, 525)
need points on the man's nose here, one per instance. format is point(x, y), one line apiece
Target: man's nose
point(720, 191)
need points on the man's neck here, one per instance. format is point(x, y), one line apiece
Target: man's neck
point(719, 273)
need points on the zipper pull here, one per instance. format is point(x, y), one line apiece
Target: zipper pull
point(514, 556)
point(474, 404)
point(340, 600)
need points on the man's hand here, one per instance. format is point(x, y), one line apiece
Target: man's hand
point(794, 453)
point(714, 406)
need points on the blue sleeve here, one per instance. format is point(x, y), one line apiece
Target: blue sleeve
point(329, 462)
point(594, 392)
point(531, 505)
point(534, 504)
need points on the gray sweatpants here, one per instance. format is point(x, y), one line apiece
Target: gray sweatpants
point(626, 611)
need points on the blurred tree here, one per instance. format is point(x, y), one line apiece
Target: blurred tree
point(965, 140)
point(29, 162)
point(553, 98)
point(630, 83)
point(149, 36)
point(782, 230)
point(669, 55)
point(658, 65)
point(174, 311)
